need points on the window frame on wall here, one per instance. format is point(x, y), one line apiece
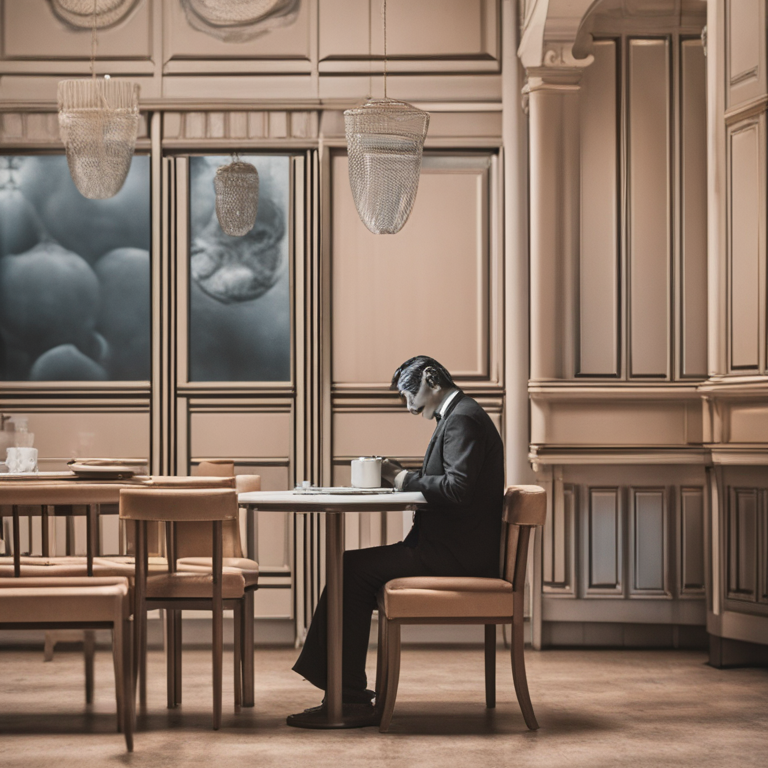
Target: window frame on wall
point(182, 241)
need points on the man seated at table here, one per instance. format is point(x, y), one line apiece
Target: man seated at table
point(456, 534)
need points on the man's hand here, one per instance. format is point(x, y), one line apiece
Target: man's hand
point(390, 469)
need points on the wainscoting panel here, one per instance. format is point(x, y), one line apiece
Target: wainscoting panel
point(603, 542)
point(648, 542)
point(382, 314)
point(598, 341)
point(745, 51)
point(745, 239)
point(693, 211)
point(395, 433)
point(236, 434)
point(466, 33)
point(61, 436)
point(610, 422)
point(691, 555)
point(283, 49)
point(49, 39)
point(762, 539)
point(638, 537)
point(558, 547)
point(649, 224)
point(742, 531)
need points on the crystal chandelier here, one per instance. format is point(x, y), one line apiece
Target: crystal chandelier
point(237, 197)
point(98, 123)
point(385, 141)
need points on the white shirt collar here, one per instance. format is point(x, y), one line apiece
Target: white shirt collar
point(446, 402)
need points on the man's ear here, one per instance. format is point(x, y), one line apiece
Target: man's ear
point(430, 376)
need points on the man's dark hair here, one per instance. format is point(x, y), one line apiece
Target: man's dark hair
point(407, 378)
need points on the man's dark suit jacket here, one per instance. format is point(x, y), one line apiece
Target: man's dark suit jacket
point(459, 531)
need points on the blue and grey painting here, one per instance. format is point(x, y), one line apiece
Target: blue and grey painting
point(74, 275)
point(239, 309)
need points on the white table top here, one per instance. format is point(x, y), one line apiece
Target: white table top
point(286, 501)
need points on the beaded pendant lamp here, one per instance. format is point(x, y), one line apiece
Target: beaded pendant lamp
point(98, 124)
point(385, 141)
point(237, 197)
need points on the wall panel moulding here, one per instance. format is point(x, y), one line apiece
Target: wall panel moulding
point(449, 36)
point(646, 424)
point(246, 127)
point(41, 129)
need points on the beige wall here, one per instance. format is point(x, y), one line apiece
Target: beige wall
point(360, 304)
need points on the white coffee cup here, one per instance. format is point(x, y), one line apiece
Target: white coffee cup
point(21, 459)
point(366, 472)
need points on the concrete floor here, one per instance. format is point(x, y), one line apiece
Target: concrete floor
point(596, 708)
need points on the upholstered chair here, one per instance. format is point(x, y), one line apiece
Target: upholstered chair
point(191, 546)
point(62, 602)
point(466, 600)
point(174, 590)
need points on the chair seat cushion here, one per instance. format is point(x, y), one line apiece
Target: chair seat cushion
point(446, 597)
point(64, 600)
point(249, 568)
point(125, 565)
point(50, 567)
point(200, 585)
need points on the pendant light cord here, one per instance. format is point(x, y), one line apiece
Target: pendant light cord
point(93, 40)
point(385, 49)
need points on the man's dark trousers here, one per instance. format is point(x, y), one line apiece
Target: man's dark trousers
point(365, 572)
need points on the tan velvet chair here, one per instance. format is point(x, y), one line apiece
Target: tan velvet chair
point(174, 590)
point(465, 600)
point(62, 602)
point(191, 545)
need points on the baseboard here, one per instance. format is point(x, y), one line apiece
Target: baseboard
point(585, 634)
point(725, 652)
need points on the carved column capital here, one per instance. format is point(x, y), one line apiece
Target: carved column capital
point(559, 70)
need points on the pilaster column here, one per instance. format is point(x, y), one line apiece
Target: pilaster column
point(553, 102)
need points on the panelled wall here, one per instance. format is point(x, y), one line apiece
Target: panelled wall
point(355, 305)
point(735, 414)
point(618, 330)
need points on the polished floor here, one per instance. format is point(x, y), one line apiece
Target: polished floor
point(596, 708)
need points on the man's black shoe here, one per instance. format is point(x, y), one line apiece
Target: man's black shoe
point(354, 715)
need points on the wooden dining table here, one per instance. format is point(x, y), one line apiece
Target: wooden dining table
point(334, 507)
point(46, 492)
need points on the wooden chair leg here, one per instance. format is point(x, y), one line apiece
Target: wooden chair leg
point(89, 651)
point(249, 693)
point(50, 645)
point(170, 657)
point(238, 654)
point(143, 664)
point(518, 671)
point(490, 666)
point(393, 674)
point(217, 643)
point(128, 706)
point(380, 659)
point(117, 663)
point(140, 611)
point(177, 658)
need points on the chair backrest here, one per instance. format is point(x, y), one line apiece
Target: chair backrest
point(525, 506)
point(194, 539)
point(178, 504)
point(215, 468)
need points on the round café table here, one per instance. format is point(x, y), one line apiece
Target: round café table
point(333, 506)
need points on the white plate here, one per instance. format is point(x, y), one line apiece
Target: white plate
point(341, 491)
point(64, 475)
point(103, 472)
